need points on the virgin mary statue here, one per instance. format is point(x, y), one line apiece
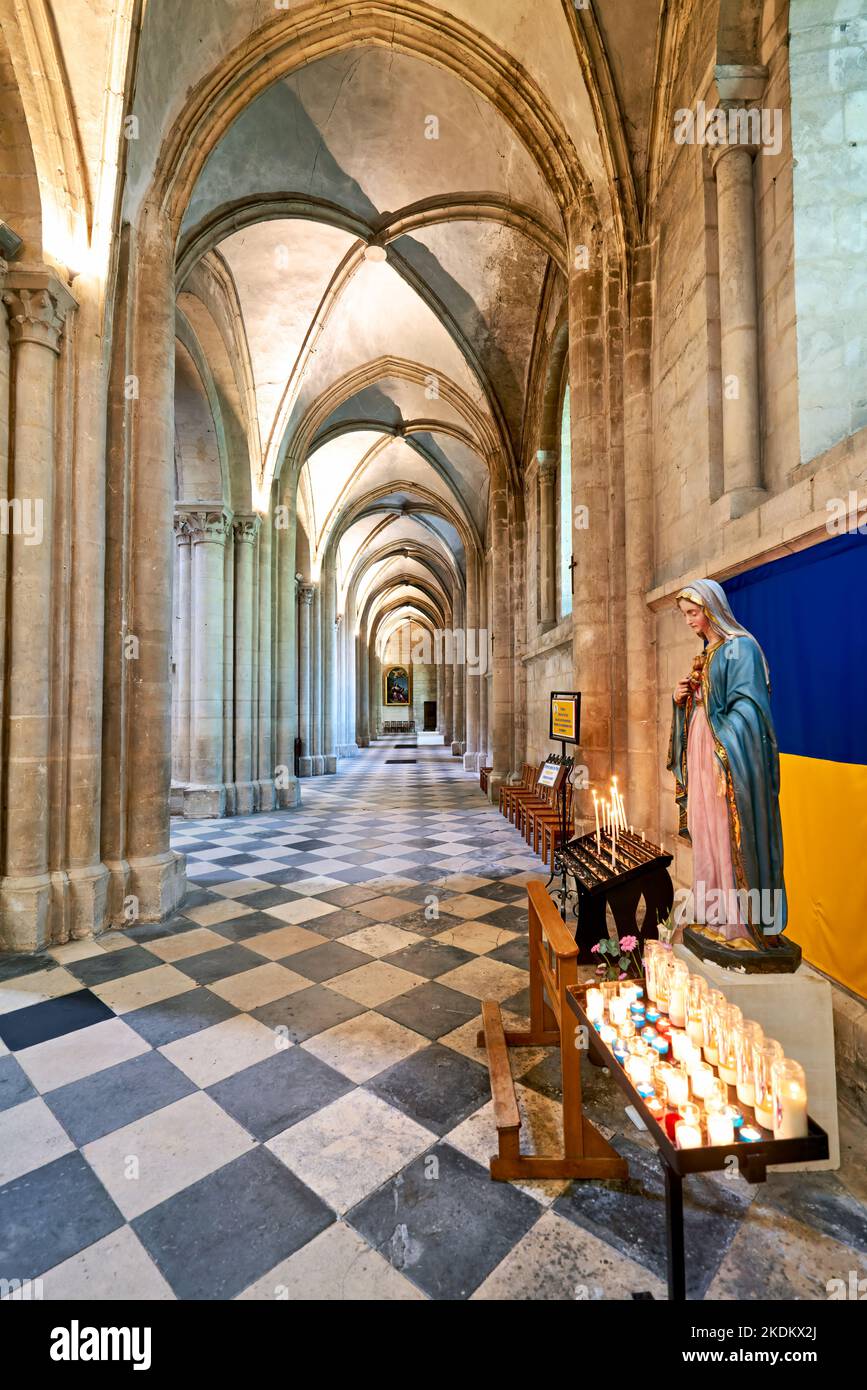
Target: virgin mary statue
point(726, 767)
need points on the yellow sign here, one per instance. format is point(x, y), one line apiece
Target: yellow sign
point(563, 719)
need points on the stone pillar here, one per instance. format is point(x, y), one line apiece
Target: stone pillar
point(476, 653)
point(37, 303)
point(739, 320)
point(641, 708)
point(245, 529)
point(206, 794)
point(441, 690)
point(156, 873)
point(363, 725)
point(182, 654)
point(375, 673)
point(287, 729)
point(449, 691)
point(548, 538)
point(483, 760)
point(591, 604)
point(459, 676)
point(228, 670)
point(305, 605)
point(263, 679)
point(500, 693)
point(328, 645)
point(316, 686)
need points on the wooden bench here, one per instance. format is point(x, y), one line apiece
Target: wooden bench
point(553, 968)
point(484, 774)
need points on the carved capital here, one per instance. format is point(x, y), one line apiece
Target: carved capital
point(306, 592)
point(37, 303)
point(206, 522)
point(245, 527)
point(182, 529)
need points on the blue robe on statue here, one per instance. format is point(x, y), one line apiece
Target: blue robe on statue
point(738, 708)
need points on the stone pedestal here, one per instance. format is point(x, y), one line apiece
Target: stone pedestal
point(797, 1011)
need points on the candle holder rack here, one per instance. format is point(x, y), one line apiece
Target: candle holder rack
point(639, 870)
point(753, 1157)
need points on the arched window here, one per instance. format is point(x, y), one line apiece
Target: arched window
point(565, 509)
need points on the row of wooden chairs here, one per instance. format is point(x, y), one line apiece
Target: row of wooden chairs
point(536, 811)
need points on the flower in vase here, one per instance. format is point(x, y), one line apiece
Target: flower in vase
point(628, 943)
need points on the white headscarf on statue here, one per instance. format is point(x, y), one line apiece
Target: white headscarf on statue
point(711, 597)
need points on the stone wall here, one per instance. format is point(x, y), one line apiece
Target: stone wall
point(828, 63)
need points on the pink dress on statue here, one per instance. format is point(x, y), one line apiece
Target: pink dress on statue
point(708, 825)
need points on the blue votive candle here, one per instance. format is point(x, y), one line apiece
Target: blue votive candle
point(645, 1090)
point(660, 1045)
point(652, 1015)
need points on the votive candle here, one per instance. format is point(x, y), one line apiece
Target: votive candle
point(790, 1099)
point(595, 1006)
point(747, 1039)
point(720, 1129)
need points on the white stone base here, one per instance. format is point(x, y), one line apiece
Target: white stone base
point(264, 795)
point(471, 762)
point(330, 764)
point(289, 795)
point(25, 913)
point(159, 884)
point(456, 749)
point(796, 1010)
point(204, 803)
point(318, 765)
point(245, 799)
point(305, 767)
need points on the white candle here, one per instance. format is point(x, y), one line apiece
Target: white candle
point(677, 1086)
point(764, 1117)
point(728, 1074)
point(642, 837)
point(720, 1129)
point(694, 1029)
point(596, 809)
point(595, 1005)
point(617, 1010)
point(687, 1136)
point(613, 841)
point(679, 1042)
point(702, 1079)
point(790, 1100)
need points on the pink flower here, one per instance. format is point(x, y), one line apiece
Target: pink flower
point(628, 943)
point(594, 950)
point(623, 975)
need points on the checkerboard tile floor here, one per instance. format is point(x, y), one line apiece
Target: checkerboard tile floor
point(278, 1092)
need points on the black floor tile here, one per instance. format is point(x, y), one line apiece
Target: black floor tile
point(215, 1238)
point(272, 1095)
point(15, 1085)
point(430, 958)
point(38, 1023)
point(51, 1214)
point(219, 964)
point(113, 965)
point(108, 1100)
point(16, 964)
point(326, 962)
point(179, 1017)
point(308, 1012)
point(432, 1009)
point(437, 1087)
point(445, 1234)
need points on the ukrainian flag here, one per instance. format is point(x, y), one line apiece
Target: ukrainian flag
point(807, 611)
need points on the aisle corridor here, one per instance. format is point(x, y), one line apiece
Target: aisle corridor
point(278, 1093)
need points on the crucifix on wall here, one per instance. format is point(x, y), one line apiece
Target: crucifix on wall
point(572, 568)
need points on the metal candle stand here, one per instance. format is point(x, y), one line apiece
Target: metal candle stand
point(752, 1157)
point(640, 871)
point(562, 892)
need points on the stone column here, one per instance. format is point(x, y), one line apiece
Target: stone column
point(641, 707)
point(182, 655)
point(459, 677)
point(245, 528)
point(548, 538)
point(287, 666)
point(363, 736)
point(441, 691)
point(305, 604)
point(476, 656)
point(328, 644)
point(263, 682)
point(500, 693)
point(206, 794)
point(316, 687)
point(739, 326)
point(37, 303)
point(156, 873)
point(591, 604)
point(483, 760)
point(449, 692)
point(228, 672)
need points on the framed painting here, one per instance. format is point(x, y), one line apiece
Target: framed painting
point(397, 686)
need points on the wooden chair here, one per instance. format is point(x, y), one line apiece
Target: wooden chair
point(519, 794)
point(553, 968)
point(484, 773)
point(540, 820)
point(509, 788)
point(543, 799)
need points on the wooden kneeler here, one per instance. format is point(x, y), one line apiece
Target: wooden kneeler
point(553, 968)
